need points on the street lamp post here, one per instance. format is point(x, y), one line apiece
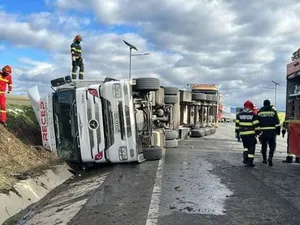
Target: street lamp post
point(130, 55)
point(276, 84)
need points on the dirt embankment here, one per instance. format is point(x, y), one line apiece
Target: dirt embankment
point(21, 154)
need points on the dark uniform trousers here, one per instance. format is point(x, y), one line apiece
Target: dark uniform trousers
point(265, 141)
point(75, 65)
point(246, 126)
point(76, 53)
point(249, 142)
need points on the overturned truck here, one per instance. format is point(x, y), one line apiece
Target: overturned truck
point(92, 121)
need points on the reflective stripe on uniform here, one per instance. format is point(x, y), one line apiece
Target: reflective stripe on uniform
point(73, 73)
point(250, 156)
point(290, 155)
point(247, 132)
point(255, 122)
point(76, 50)
point(2, 92)
point(2, 111)
point(267, 128)
point(246, 124)
point(267, 113)
point(237, 121)
point(245, 149)
point(5, 80)
point(80, 72)
point(278, 125)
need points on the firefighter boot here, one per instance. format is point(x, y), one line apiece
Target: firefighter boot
point(245, 156)
point(270, 162)
point(264, 158)
point(288, 159)
point(3, 123)
point(250, 162)
point(297, 160)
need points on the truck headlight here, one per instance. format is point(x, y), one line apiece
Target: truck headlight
point(123, 153)
point(116, 89)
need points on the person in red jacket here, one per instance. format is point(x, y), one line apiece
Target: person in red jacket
point(5, 80)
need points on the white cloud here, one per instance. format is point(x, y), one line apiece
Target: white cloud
point(238, 45)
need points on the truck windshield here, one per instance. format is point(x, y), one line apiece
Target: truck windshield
point(65, 125)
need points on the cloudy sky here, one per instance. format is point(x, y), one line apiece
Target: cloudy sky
point(240, 45)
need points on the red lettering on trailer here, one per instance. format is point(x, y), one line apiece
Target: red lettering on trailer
point(43, 121)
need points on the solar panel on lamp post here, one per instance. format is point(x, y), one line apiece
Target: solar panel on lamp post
point(130, 55)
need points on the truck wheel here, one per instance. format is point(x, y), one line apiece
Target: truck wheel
point(171, 99)
point(209, 97)
point(147, 84)
point(171, 143)
point(212, 130)
point(207, 131)
point(198, 133)
point(199, 96)
point(171, 134)
point(153, 153)
point(171, 90)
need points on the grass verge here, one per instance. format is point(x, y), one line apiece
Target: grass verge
point(20, 146)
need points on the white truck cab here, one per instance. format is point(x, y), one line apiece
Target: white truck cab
point(92, 121)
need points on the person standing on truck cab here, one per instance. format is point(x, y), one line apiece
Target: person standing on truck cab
point(269, 128)
point(246, 125)
point(77, 60)
point(5, 80)
point(289, 156)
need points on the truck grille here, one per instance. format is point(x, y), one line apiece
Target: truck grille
point(91, 135)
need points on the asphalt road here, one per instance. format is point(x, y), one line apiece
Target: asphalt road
point(203, 181)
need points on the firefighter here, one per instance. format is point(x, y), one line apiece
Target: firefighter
point(5, 80)
point(247, 126)
point(237, 135)
point(289, 156)
point(269, 127)
point(77, 60)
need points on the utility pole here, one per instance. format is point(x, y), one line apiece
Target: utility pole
point(276, 84)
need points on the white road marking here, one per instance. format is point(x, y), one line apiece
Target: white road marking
point(153, 213)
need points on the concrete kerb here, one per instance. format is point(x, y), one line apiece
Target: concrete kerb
point(30, 191)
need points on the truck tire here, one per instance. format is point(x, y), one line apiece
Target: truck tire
point(199, 96)
point(147, 84)
point(171, 99)
point(171, 143)
point(198, 133)
point(154, 153)
point(207, 131)
point(171, 134)
point(171, 90)
point(209, 97)
point(212, 130)
point(215, 98)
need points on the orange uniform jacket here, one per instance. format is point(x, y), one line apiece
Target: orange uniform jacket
point(5, 81)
